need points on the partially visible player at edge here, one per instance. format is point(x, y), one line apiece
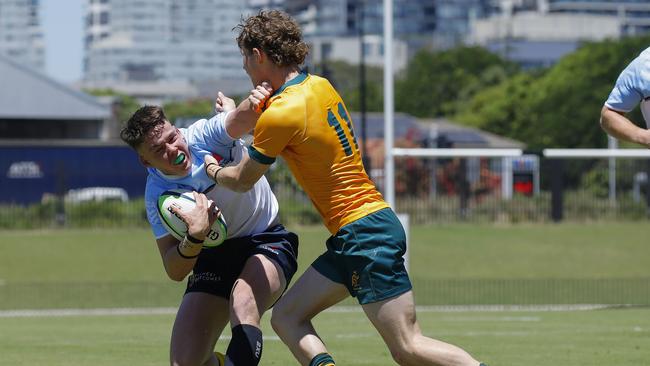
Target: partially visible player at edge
point(238, 280)
point(632, 87)
point(306, 123)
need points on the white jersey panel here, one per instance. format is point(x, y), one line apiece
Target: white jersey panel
point(245, 213)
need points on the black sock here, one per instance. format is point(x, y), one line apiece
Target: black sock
point(245, 348)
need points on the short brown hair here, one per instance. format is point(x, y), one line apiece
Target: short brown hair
point(141, 123)
point(275, 33)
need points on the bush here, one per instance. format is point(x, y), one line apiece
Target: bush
point(78, 215)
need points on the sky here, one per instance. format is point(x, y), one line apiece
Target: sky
point(63, 32)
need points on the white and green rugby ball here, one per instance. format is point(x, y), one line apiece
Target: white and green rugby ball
point(175, 226)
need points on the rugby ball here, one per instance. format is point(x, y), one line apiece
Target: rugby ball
point(175, 226)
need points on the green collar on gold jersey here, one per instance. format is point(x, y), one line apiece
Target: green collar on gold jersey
point(297, 80)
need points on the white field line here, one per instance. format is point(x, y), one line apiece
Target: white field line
point(336, 309)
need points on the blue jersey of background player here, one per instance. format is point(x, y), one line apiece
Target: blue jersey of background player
point(237, 280)
point(632, 88)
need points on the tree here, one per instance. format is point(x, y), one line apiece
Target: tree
point(437, 84)
point(561, 106)
point(124, 105)
point(192, 108)
point(345, 78)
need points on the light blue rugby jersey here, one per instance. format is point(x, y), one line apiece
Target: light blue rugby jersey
point(203, 137)
point(633, 87)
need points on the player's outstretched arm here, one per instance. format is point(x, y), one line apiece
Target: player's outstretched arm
point(617, 125)
point(243, 119)
point(239, 178)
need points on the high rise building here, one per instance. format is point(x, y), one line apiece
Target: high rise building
point(179, 43)
point(343, 17)
point(255, 6)
point(454, 17)
point(633, 15)
point(21, 36)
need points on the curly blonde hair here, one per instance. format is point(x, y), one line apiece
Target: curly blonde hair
point(275, 33)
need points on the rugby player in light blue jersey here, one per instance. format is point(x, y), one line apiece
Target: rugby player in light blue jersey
point(246, 274)
point(632, 87)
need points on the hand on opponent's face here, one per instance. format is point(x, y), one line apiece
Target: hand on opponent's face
point(259, 96)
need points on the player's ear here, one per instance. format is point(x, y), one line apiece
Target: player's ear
point(258, 55)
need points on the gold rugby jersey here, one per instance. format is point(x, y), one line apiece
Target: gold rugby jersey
point(307, 124)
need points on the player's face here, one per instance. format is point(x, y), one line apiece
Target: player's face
point(166, 150)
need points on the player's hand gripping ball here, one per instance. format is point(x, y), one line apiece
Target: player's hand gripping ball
point(175, 226)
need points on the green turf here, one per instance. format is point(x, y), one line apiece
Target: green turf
point(476, 264)
point(450, 264)
point(600, 337)
point(452, 251)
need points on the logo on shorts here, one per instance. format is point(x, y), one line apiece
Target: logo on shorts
point(203, 277)
point(355, 281)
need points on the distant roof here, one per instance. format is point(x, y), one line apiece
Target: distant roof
point(27, 94)
point(412, 128)
point(463, 136)
point(404, 125)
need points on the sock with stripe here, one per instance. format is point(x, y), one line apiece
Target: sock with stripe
point(322, 359)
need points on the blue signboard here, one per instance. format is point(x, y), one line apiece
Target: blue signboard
point(30, 173)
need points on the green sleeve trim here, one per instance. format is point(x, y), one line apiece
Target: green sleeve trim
point(259, 157)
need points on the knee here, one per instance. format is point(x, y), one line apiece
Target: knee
point(282, 317)
point(403, 354)
point(278, 320)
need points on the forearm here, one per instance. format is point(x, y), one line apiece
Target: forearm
point(618, 126)
point(231, 178)
point(179, 260)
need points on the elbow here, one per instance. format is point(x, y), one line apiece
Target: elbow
point(605, 122)
point(174, 275)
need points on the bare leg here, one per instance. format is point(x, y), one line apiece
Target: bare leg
point(292, 315)
point(259, 285)
point(198, 325)
point(396, 322)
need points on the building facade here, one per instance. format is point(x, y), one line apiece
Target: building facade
point(21, 35)
point(161, 42)
point(633, 15)
point(537, 33)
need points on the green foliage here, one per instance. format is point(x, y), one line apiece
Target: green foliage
point(199, 108)
point(295, 207)
point(559, 107)
point(374, 98)
point(437, 84)
point(346, 79)
point(125, 105)
point(78, 215)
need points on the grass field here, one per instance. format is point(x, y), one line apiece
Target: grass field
point(456, 264)
point(451, 264)
point(595, 338)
